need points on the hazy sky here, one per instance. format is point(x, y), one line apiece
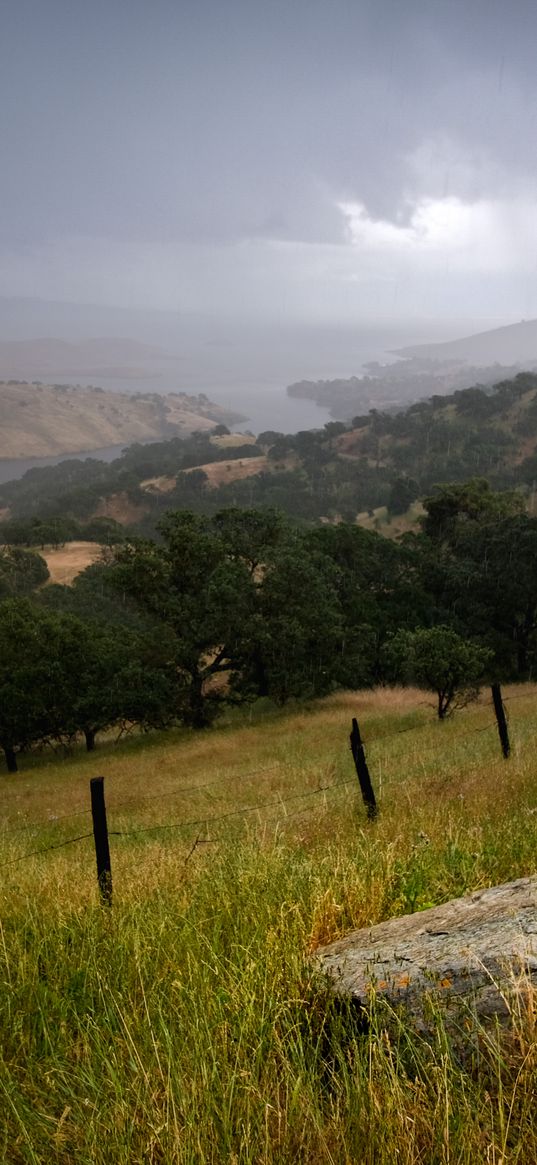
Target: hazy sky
point(316, 159)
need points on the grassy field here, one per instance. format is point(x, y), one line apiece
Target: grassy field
point(392, 526)
point(67, 561)
point(187, 1024)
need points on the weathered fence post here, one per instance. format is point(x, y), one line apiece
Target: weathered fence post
point(100, 834)
point(501, 721)
point(362, 770)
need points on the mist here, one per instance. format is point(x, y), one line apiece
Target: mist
point(244, 363)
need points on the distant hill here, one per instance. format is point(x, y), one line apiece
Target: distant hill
point(48, 357)
point(390, 387)
point(514, 344)
point(42, 420)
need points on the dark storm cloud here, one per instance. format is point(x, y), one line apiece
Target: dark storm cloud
point(226, 119)
point(211, 122)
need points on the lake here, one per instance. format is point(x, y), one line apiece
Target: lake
point(247, 368)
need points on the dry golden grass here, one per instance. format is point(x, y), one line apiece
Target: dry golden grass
point(66, 562)
point(430, 777)
point(233, 440)
point(120, 507)
point(224, 472)
point(159, 485)
point(40, 421)
point(392, 527)
point(185, 1025)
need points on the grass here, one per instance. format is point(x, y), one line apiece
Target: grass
point(187, 1024)
point(67, 561)
point(223, 472)
point(392, 526)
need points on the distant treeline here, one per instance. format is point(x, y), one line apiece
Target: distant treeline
point(411, 379)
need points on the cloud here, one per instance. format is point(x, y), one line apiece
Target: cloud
point(487, 235)
point(440, 255)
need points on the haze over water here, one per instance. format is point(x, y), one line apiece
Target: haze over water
point(241, 365)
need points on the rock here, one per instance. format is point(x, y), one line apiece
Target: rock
point(477, 955)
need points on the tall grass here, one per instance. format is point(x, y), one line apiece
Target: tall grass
point(188, 1024)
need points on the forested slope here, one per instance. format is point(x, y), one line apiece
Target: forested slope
point(340, 471)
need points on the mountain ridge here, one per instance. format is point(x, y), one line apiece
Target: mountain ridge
point(509, 344)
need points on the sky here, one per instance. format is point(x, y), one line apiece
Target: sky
point(331, 161)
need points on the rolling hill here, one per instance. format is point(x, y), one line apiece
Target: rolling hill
point(376, 467)
point(514, 344)
point(42, 420)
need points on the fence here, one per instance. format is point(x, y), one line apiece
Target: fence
point(101, 834)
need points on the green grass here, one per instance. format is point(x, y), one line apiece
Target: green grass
point(187, 1024)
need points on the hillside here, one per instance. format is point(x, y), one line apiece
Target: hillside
point(514, 344)
point(64, 563)
point(41, 420)
point(427, 370)
point(352, 471)
point(391, 387)
point(186, 1023)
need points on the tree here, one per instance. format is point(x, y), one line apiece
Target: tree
point(34, 687)
point(201, 596)
point(479, 563)
point(60, 675)
point(440, 660)
point(251, 536)
point(21, 571)
point(403, 491)
point(379, 589)
point(335, 429)
point(104, 530)
point(112, 676)
point(455, 509)
point(299, 627)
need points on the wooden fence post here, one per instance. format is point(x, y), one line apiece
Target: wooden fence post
point(100, 834)
point(362, 770)
point(501, 721)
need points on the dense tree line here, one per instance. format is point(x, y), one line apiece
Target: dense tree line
point(41, 532)
point(242, 604)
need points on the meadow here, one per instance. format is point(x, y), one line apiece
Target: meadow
point(188, 1023)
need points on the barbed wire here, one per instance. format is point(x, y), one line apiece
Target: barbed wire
point(45, 849)
point(228, 778)
point(44, 821)
point(279, 821)
point(186, 789)
point(187, 824)
point(244, 809)
point(182, 792)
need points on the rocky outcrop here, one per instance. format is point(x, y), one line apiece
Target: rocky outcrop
point(476, 954)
